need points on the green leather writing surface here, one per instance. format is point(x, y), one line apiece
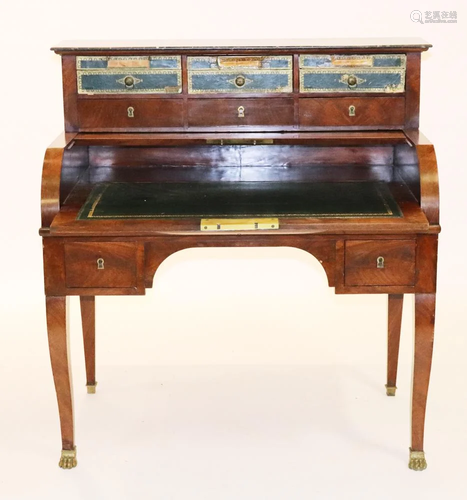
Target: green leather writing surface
point(239, 199)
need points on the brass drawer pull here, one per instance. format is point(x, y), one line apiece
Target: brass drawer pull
point(100, 263)
point(240, 81)
point(130, 81)
point(352, 81)
point(380, 263)
point(131, 112)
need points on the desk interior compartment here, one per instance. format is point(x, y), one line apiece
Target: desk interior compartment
point(301, 184)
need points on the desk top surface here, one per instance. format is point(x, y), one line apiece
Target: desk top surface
point(412, 43)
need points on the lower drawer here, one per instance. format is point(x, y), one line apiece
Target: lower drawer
point(225, 112)
point(379, 262)
point(108, 114)
point(101, 265)
point(345, 111)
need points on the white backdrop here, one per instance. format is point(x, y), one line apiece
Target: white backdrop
point(283, 398)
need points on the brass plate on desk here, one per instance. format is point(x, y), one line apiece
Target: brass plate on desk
point(240, 142)
point(239, 224)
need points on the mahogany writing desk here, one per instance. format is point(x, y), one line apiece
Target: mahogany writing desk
point(310, 144)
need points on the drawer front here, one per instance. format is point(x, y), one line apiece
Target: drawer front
point(238, 112)
point(353, 61)
point(106, 114)
point(383, 80)
point(112, 62)
point(348, 111)
point(380, 262)
point(352, 73)
point(129, 82)
point(234, 74)
point(129, 75)
point(101, 265)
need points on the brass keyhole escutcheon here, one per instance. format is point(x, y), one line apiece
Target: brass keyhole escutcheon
point(129, 81)
point(240, 81)
point(351, 110)
point(241, 112)
point(131, 112)
point(352, 81)
point(380, 263)
point(100, 263)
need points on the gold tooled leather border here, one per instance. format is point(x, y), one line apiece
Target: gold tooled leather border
point(129, 72)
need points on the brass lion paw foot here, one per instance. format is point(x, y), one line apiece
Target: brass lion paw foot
point(390, 391)
point(68, 459)
point(417, 460)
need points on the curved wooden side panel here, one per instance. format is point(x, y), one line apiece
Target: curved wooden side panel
point(51, 175)
point(50, 190)
point(428, 168)
point(64, 165)
point(429, 184)
point(324, 250)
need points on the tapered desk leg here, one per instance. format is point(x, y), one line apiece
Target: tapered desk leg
point(57, 326)
point(88, 318)
point(424, 336)
point(394, 335)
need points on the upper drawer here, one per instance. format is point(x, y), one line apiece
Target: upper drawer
point(352, 73)
point(129, 75)
point(239, 74)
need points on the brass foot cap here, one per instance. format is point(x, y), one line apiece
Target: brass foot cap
point(91, 388)
point(417, 460)
point(390, 391)
point(68, 459)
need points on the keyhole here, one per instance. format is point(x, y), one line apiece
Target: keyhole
point(131, 112)
point(351, 110)
point(380, 263)
point(100, 263)
point(241, 112)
